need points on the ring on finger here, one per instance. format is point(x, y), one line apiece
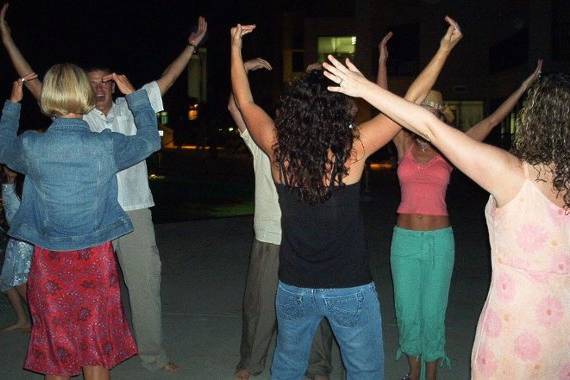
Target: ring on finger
point(22, 80)
point(340, 83)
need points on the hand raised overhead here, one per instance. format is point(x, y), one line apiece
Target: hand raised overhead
point(534, 76)
point(121, 81)
point(196, 37)
point(256, 64)
point(18, 87)
point(383, 46)
point(349, 79)
point(237, 33)
point(453, 34)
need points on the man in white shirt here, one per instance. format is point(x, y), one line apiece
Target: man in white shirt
point(137, 252)
point(259, 320)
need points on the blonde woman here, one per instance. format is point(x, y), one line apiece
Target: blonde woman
point(69, 211)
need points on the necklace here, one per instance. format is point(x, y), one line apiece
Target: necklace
point(422, 145)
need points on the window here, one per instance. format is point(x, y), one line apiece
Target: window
point(467, 113)
point(341, 47)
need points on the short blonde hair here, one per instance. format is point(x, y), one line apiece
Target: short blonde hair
point(66, 89)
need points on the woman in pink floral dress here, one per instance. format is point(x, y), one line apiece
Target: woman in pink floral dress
point(524, 329)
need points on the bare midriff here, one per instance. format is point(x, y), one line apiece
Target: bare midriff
point(419, 222)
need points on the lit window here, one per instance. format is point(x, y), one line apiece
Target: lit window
point(339, 46)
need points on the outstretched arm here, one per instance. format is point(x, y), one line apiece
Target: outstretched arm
point(377, 132)
point(11, 146)
point(258, 122)
point(174, 70)
point(22, 66)
point(481, 130)
point(427, 78)
point(494, 169)
point(251, 65)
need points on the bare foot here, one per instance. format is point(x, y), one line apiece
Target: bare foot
point(23, 326)
point(242, 374)
point(170, 367)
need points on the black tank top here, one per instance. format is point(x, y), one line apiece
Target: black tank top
point(323, 245)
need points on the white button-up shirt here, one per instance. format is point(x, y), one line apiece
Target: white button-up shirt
point(134, 192)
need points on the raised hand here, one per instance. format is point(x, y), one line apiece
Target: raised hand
point(534, 76)
point(18, 87)
point(256, 64)
point(121, 81)
point(237, 33)
point(4, 28)
point(314, 66)
point(453, 34)
point(383, 47)
point(349, 79)
point(196, 37)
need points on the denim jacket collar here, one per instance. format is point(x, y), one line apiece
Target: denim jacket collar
point(61, 123)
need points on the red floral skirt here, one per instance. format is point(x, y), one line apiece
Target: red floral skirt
point(77, 316)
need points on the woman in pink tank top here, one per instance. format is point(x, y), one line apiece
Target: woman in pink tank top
point(524, 329)
point(423, 249)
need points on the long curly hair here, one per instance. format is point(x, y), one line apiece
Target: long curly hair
point(543, 136)
point(314, 137)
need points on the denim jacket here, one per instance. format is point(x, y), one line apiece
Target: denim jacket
point(69, 200)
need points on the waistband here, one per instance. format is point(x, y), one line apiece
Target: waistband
point(439, 231)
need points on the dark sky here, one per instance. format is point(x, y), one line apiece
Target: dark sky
point(138, 38)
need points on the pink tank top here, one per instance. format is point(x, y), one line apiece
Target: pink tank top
point(423, 185)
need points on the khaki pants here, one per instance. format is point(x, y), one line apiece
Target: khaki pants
point(259, 320)
point(140, 263)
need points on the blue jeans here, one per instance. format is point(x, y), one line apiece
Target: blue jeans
point(354, 316)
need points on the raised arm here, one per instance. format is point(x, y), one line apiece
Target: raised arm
point(496, 170)
point(382, 76)
point(378, 131)
point(174, 70)
point(10, 143)
point(427, 78)
point(481, 130)
point(22, 66)
point(258, 122)
point(251, 65)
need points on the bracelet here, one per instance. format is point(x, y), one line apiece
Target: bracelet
point(193, 46)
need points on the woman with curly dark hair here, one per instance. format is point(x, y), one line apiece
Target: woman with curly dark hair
point(525, 324)
point(318, 157)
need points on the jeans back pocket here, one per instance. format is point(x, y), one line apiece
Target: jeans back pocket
point(289, 305)
point(345, 310)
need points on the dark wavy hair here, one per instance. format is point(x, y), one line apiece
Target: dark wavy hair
point(543, 135)
point(314, 137)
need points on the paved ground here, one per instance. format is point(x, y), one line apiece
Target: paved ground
point(204, 268)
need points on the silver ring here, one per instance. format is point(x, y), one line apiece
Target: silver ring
point(340, 83)
point(22, 80)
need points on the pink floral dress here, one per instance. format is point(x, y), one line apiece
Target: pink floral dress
point(524, 328)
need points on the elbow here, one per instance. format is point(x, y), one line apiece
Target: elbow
point(430, 128)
